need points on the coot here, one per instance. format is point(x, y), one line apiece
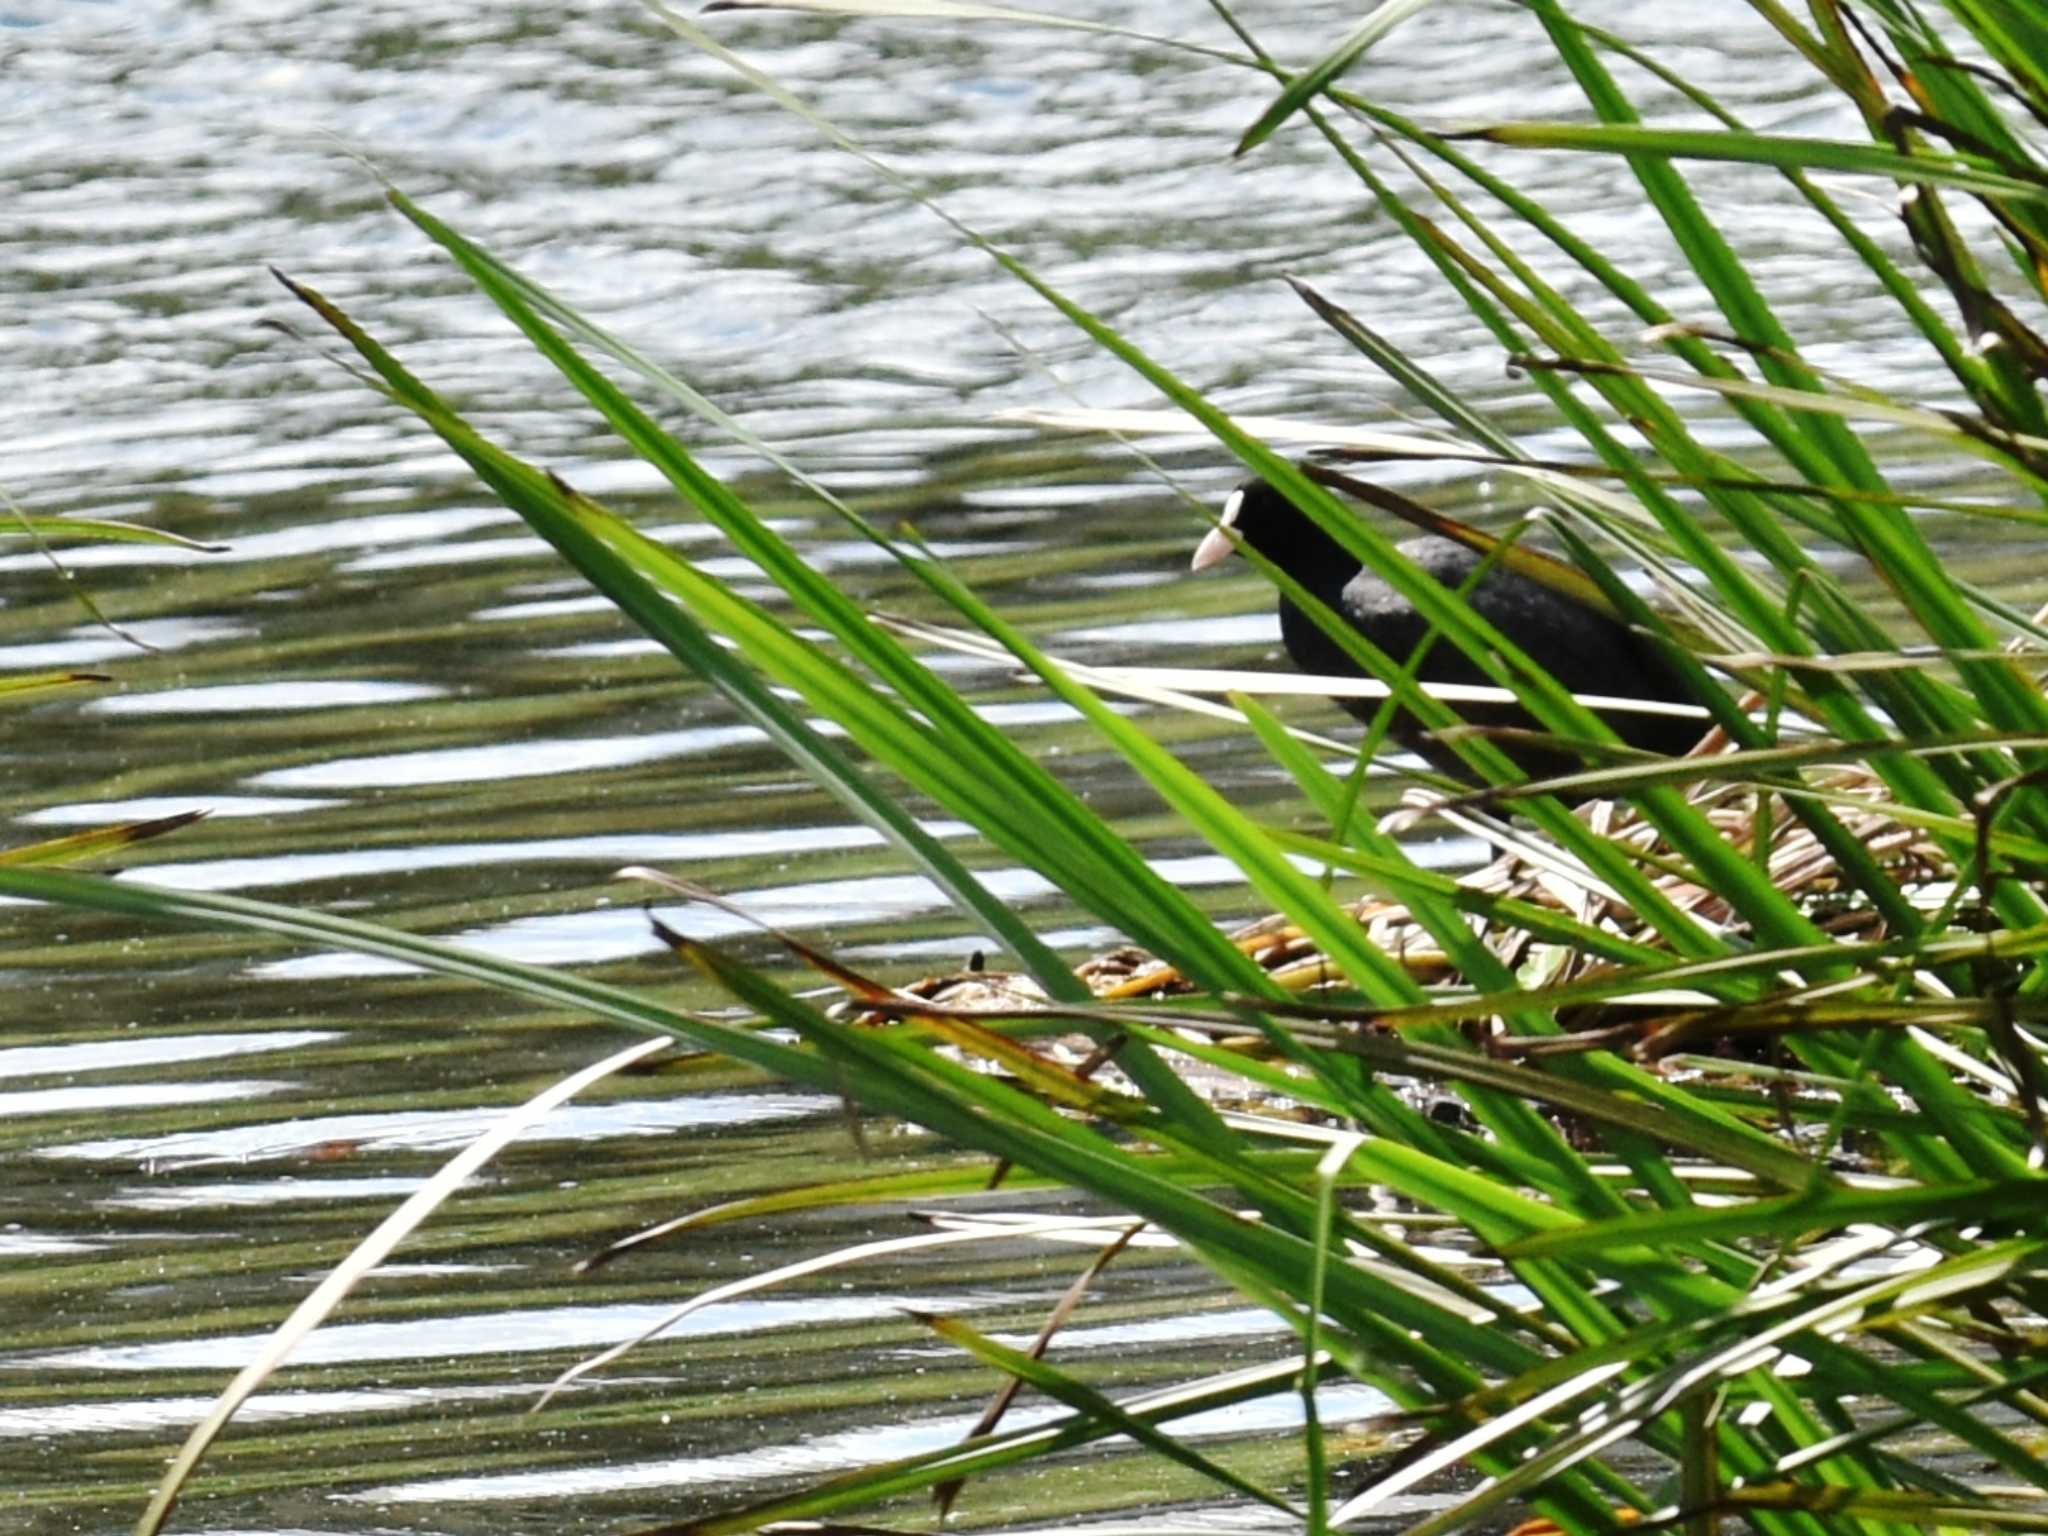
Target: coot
point(1586, 651)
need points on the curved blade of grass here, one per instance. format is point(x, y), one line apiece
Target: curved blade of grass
point(1311, 82)
point(2016, 37)
point(1975, 437)
point(1408, 373)
point(889, 1188)
point(1693, 1126)
point(990, 1453)
point(873, 1189)
point(817, 1264)
point(100, 530)
point(1402, 877)
point(1083, 1399)
point(1776, 150)
point(366, 1256)
point(134, 898)
point(1152, 685)
point(2022, 1201)
point(1441, 1457)
point(1271, 429)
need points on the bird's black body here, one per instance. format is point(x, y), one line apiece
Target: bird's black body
point(1585, 651)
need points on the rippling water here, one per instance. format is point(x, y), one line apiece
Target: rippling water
point(393, 702)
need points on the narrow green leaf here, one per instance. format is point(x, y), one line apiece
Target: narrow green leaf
point(1776, 150)
point(1059, 1386)
point(98, 530)
point(1313, 81)
point(2022, 1201)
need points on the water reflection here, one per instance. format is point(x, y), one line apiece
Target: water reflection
point(133, 1049)
point(89, 644)
point(435, 1131)
point(610, 933)
point(606, 853)
point(111, 1096)
point(263, 698)
point(95, 813)
point(330, 535)
point(505, 760)
point(828, 1454)
point(259, 1193)
point(177, 1415)
point(526, 1330)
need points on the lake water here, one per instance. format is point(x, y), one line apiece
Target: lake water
point(395, 704)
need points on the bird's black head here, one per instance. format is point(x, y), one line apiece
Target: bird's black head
point(1277, 529)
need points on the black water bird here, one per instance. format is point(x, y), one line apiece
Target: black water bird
point(1586, 651)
